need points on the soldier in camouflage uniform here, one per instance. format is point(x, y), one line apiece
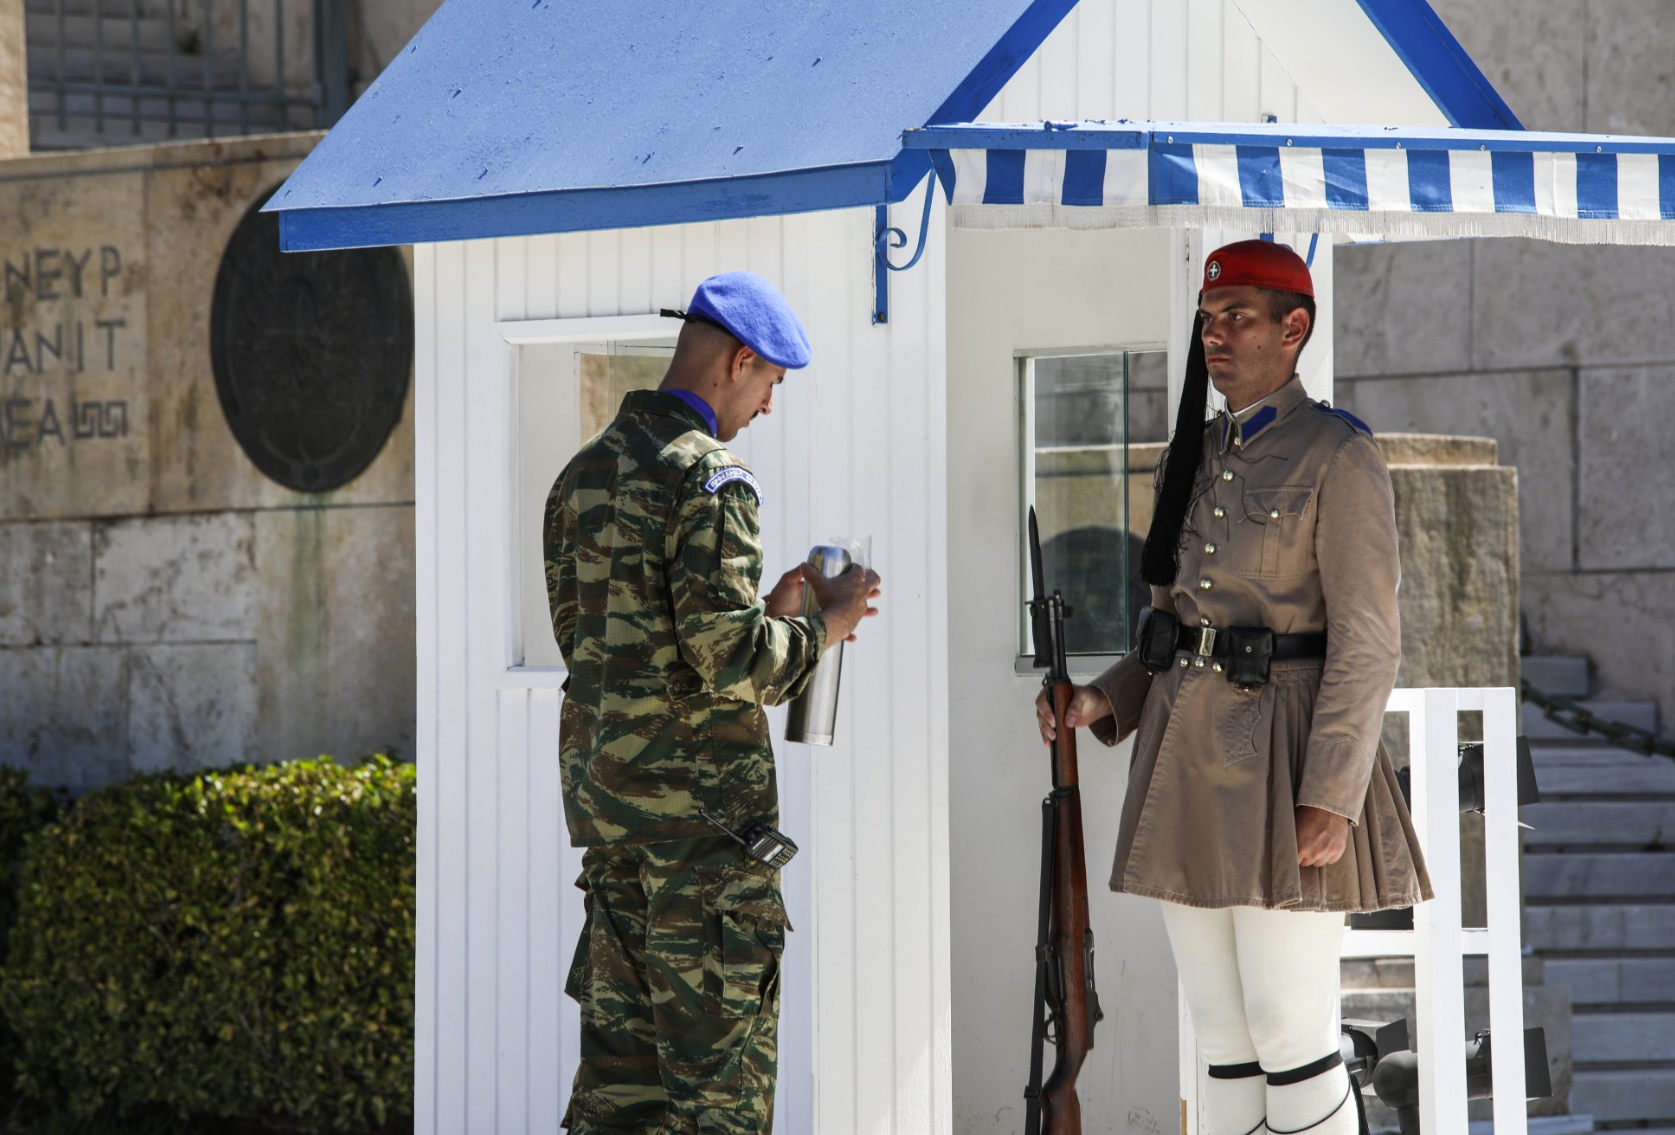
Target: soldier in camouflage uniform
point(653, 562)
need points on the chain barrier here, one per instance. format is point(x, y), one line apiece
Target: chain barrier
point(1578, 718)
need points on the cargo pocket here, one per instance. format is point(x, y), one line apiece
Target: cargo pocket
point(1285, 543)
point(745, 925)
point(1239, 725)
point(576, 983)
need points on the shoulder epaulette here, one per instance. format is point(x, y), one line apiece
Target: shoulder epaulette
point(1345, 415)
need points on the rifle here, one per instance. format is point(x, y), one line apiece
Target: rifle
point(1066, 1004)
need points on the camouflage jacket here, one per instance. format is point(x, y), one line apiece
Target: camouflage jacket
point(653, 563)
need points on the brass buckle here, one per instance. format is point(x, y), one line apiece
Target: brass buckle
point(1206, 642)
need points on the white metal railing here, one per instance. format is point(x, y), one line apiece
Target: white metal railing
point(1438, 943)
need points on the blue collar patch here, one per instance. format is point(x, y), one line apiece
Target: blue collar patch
point(1251, 426)
point(1258, 422)
point(724, 477)
point(1345, 415)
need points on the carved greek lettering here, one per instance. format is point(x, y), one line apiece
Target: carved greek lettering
point(16, 423)
point(109, 326)
point(86, 417)
point(18, 354)
point(76, 267)
point(110, 267)
point(49, 425)
point(55, 345)
point(47, 273)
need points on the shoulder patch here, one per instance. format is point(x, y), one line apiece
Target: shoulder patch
point(721, 478)
point(1357, 423)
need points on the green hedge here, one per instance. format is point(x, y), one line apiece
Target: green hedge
point(23, 812)
point(235, 945)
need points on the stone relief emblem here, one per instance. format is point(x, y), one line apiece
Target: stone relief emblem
point(312, 353)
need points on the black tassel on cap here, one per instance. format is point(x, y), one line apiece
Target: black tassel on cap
point(1161, 559)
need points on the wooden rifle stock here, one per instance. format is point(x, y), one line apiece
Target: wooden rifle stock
point(1071, 936)
point(1066, 1003)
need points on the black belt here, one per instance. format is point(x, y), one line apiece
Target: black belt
point(1212, 642)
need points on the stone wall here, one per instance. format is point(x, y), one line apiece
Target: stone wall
point(1565, 355)
point(162, 602)
point(14, 105)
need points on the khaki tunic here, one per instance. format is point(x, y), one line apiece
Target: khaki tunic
point(1292, 527)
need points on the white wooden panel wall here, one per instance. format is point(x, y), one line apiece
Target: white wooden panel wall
point(1160, 59)
point(855, 446)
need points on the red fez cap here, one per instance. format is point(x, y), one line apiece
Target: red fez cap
point(1258, 264)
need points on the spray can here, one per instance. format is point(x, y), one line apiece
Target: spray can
point(813, 716)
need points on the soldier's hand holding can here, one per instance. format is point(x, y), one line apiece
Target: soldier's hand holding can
point(844, 600)
point(785, 601)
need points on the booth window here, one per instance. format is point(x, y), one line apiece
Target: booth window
point(567, 393)
point(1086, 421)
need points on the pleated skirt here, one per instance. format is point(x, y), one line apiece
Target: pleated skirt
point(1209, 819)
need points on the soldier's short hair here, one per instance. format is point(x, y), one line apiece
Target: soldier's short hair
point(1282, 304)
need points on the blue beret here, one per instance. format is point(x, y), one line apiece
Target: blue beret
point(753, 312)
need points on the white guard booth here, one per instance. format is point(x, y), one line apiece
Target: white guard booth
point(566, 168)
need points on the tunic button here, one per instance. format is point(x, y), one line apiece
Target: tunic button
point(1239, 442)
point(1216, 666)
point(1273, 514)
point(1203, 620)
point(1209, 549)
point(1227, 474)
point(1205, 585)
point(1183, 664)
point(1198, 662)
point(1220, 513)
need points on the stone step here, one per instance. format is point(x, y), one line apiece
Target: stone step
point(1375, 974)
point(1625, 1094)
point(1565, 675)
point(1363, 974)
point(1615, 1038)
point(1583, 823)
point(1640, 714)
point(1632, 874)
point(1543, 1125)
point(1612, 981)
point(1602, 771)
point(1580, 750)
point(1602, 928)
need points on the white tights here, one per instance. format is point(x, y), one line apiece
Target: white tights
point(1262, 988)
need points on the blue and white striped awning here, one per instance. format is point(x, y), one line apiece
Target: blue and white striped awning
point(1359, 181)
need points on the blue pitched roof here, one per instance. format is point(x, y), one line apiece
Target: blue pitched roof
point(585, 114)
point(1429, 50)
point(513, 117)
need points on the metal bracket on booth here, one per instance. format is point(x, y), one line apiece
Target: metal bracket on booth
point(885, 238)
point(1314, 241)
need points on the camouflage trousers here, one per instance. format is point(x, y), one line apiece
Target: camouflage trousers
point(677, 976)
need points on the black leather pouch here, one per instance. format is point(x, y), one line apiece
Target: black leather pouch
point(1249, 651)
point(1154, 639)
